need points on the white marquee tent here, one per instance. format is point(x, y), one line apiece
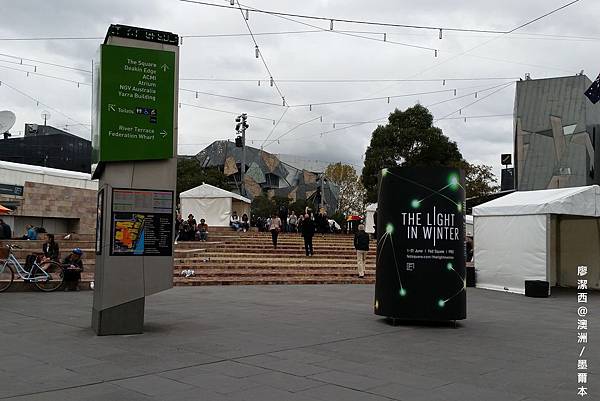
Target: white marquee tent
point(213, 204)
point(370, 218)
point(538, 235)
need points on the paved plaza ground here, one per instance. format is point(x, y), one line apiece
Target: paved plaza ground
point(298, 343)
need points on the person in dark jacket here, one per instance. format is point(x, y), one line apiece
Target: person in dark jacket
point(73, 266)
point(50, 249)
point(5, 231)
point(361, 244)
point(308, 232)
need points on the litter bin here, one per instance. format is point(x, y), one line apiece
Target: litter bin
point(471, 275)
point(537, 288)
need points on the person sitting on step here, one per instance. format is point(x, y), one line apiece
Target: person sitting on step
point(73, 266)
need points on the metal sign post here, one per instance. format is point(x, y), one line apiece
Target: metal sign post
point(134, 140)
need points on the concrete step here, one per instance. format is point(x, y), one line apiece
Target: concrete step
point(37, 244)
point(270, 280)
point(205, 273)
point(309, 263)
point(281, 259)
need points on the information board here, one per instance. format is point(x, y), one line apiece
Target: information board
point(142, 223)
point(136, 104)
point(421, 244)
point(14, 190)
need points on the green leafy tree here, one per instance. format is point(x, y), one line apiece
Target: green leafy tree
point(479, 179)
point(408, 139)
point(352, 193)
point(262, 206)
point(299, 206)
point(190, 175)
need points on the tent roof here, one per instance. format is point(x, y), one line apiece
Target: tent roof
point(372, 207)
point(579, 201)
point(209, 191)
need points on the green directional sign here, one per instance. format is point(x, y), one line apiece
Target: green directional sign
point(136, 104)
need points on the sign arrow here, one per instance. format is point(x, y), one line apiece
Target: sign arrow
point(164, 67)
point(163, 133)
point(111, 107)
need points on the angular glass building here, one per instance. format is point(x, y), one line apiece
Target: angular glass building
point(557, 134)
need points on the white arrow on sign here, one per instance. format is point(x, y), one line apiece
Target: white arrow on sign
point(111, 107)
point(163, 133)
point(164, 67)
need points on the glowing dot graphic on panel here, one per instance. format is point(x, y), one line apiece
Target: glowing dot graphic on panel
point(449, 266)
point(389, 228)
point(384, 172)
point(415, 203)
point(402, 292)
point(441, 303)
point(453, 182)
point(459, 207)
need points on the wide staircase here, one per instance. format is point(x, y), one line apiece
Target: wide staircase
point(249, 258)
point(230, 258)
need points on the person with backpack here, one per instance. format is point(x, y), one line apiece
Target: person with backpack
point(361, 244)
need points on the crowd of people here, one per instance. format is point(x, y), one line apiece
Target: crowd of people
point(190, 230)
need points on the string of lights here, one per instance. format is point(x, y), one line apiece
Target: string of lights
point(225, 111)
point(476, 101)
point(39, 102)
point(437, 51)
point(310, 105)
point(349, 80)
point(381, 119)
point(349, 21)
point(230, 97)
point(369, 99)
point(523, 35)
point(28, 73)
point(469, 50)
point(45, 62)
point(21, 63)
point(383, 38)
point(275, 126)
point(291, 130)
point(259, 54)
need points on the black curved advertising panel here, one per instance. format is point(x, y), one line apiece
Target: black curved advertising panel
point(421, 244)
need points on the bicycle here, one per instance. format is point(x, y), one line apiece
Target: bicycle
point(47, 278)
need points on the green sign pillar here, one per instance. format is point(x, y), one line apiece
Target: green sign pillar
point(134, 140)
point(137, 102)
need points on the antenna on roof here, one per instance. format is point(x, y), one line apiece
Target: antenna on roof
point(7, 120)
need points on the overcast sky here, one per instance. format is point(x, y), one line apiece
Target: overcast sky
point(322, 55)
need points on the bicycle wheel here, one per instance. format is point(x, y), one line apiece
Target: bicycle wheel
point(54, 281)
point(7, 275)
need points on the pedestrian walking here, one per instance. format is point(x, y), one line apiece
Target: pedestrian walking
point(361, 244)
point(293, 222)
point(308, 232)
point(275, 228)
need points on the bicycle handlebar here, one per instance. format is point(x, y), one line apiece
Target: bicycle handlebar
point(13, 246)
